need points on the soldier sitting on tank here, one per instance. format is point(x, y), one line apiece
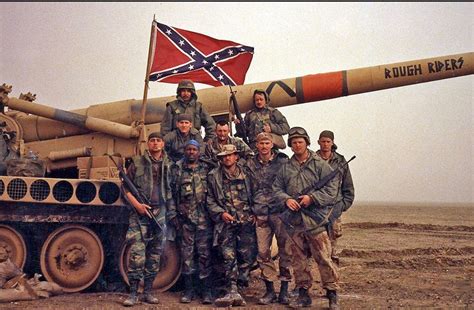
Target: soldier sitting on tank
point(188, 214)
point(222, 138)
point(177, 139)
point(186, 103)
point(263, 118)
point(229, 202)
point(149, 174)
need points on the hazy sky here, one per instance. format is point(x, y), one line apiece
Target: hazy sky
point(413, 144)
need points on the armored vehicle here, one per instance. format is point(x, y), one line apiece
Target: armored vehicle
point(61, 209)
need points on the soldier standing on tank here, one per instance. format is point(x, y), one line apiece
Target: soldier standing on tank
point(229, 203)
point(307, 229)
point(263, 118)
point(177, 139)
point(186, 103)
point(222, 138)
point(149, 174)
point(188, 214)
point(345, 194)
point(262, 171)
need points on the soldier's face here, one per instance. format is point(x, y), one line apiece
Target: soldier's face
point(325, 144)
point(184, 126)
point(222, 132)
point(155, 145)
point(264, 147)
point(185, 94)
point(298, 146)
point(259, 100)
point(191, 153)
point(229, 160)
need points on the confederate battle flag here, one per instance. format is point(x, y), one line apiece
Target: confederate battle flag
point(181, 54)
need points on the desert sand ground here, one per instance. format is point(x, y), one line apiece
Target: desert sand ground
point(392, 256)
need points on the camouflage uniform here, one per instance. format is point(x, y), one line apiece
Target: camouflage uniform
point(175, 142)
point(189, 186)
point(194, 108)
point(245, 152)
point(266, 211)
point(236, 241)
point(256, 118)
point(345, 197)
point(149, 176)
point(308, 234)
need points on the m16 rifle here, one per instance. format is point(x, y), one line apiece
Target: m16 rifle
point(136, 193)
point(241, 128)
point(289, 217)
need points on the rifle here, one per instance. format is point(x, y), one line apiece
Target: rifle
point(136, 193)
point(287, 214)
point(241, 128)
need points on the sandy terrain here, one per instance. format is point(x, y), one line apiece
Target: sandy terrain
point(393, 256)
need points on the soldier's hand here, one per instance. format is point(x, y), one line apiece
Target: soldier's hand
point(142, 209)
point(305, 201)
point(236, 121)
point(226, 217)
point(267, 128)
point(293, 204)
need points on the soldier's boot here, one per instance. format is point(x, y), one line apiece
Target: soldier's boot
point(283, 295)
point(188, 289)
point(133, 297)
point(225, 301)
point(270, 296)
point(207, 292)
point(148, 296)
point(333, 299)
point(237, 299)
point(303, 300)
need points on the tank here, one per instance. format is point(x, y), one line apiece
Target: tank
point(70, 222)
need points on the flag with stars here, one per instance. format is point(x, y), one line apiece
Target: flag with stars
point(181, 54)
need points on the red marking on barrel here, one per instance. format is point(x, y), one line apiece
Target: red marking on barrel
point(322, 86)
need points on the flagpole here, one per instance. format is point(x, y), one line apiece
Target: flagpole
point(143, 135)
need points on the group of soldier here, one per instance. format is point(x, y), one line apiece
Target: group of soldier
point(224, 201)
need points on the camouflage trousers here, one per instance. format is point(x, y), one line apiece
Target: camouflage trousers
point(239, 251)
point(267, 227)
point(196, 244)
point(335, 232)
point(146, 240)
point(304, 245)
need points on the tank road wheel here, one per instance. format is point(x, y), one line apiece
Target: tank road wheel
point(12, 241)
point(170, 266)
point(72, 257)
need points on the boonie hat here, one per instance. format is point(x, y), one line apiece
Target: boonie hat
point(227, 150)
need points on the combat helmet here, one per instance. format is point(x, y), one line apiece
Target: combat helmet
point(188, 84)
point(262, 91)
point(298, 132)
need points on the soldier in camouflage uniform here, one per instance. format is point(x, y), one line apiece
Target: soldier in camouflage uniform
point(229, 203)
point(222, 138)
point(345, 194)
point(187, 212)
point(264, 118)
point(177, 139)
point(307, 214)
point(148, 172)
point(186, 103)
point(262, 171)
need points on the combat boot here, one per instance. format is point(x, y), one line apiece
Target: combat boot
point(225, 301)
point(133, 297)
point(270, 296)
point(207, 292)
point(188, 289)
point(148, 296)
point(283, 295)
point(333, 299)
point(237, 299)
point(303, 300)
